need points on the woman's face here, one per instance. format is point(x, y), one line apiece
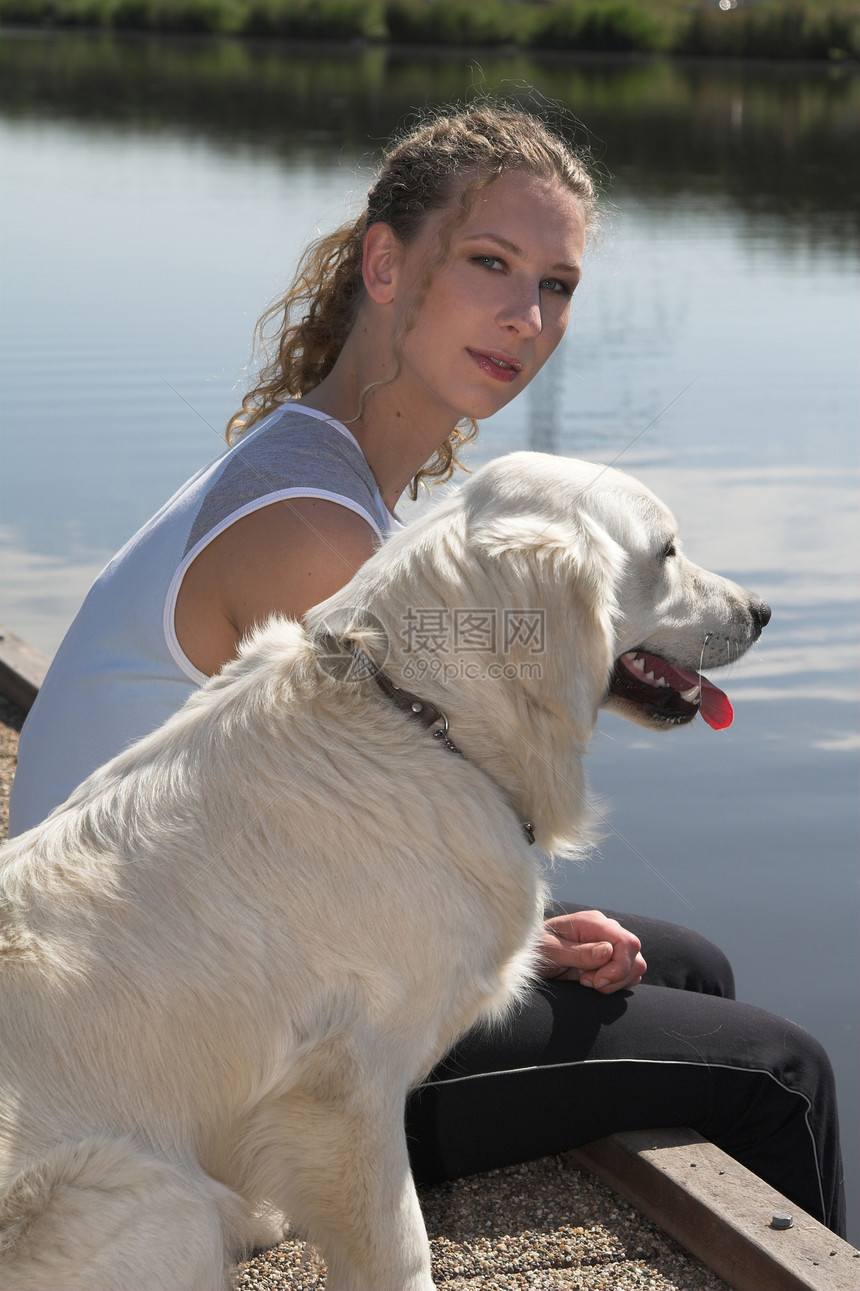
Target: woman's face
point(498, 303)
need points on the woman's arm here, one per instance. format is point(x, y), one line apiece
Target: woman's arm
point(283, 559)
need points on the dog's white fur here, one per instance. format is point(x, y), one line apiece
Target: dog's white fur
point(233, 950)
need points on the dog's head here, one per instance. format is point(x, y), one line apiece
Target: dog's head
point(618, 551)
point(538, 592)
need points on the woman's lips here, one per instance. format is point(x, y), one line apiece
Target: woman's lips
point(499, 366)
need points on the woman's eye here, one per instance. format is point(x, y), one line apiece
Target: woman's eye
point(489, 262)
point(557, 285)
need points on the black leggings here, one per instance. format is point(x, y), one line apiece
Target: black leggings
point(573, 1065)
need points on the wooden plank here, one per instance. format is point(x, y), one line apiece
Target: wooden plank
point(722, 1213)
point(22, 670)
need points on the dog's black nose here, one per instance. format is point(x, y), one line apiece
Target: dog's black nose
point(760, 611)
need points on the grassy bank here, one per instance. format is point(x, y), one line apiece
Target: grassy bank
point(813, 29)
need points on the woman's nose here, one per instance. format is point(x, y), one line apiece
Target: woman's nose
point(523, 313)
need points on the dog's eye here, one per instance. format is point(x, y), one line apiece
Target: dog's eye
point(670, 549)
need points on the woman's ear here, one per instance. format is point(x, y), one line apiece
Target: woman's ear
point(380, 260)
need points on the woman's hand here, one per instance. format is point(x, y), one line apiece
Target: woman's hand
point(589, 948)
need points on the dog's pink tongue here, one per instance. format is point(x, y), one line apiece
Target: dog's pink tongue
point(714, 704)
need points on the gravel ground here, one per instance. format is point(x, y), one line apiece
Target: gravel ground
point(543, 1226)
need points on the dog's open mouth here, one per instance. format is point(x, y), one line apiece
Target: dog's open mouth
point(667, 694)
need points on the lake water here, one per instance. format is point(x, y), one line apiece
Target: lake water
point(156, 195)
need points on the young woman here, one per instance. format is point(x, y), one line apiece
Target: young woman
point(434, 309)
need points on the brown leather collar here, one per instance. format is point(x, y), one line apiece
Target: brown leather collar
point(421, 710)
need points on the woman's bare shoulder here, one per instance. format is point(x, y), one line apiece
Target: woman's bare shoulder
point(282, 558)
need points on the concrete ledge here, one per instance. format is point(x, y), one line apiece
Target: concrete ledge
point(721, 1212)
point(22, 670)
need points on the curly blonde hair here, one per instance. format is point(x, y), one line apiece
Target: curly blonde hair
point(438, 164)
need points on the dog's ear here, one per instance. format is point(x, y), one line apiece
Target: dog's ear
point(571, 568)
point(567, 569)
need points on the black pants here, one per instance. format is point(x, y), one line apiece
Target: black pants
point(573, 1065)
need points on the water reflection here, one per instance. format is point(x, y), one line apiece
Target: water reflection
point(781, 142)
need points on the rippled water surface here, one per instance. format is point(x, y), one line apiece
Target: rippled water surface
point(156, 195)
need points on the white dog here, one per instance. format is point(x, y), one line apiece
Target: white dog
point(218, 981)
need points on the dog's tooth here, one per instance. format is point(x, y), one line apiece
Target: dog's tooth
point(649, 676)
point(693, 695)
point(661, 681)
point(636, 662)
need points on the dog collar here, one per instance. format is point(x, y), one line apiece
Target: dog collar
point(420, 710)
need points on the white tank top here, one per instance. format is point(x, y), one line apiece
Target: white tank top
point(120, 670)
